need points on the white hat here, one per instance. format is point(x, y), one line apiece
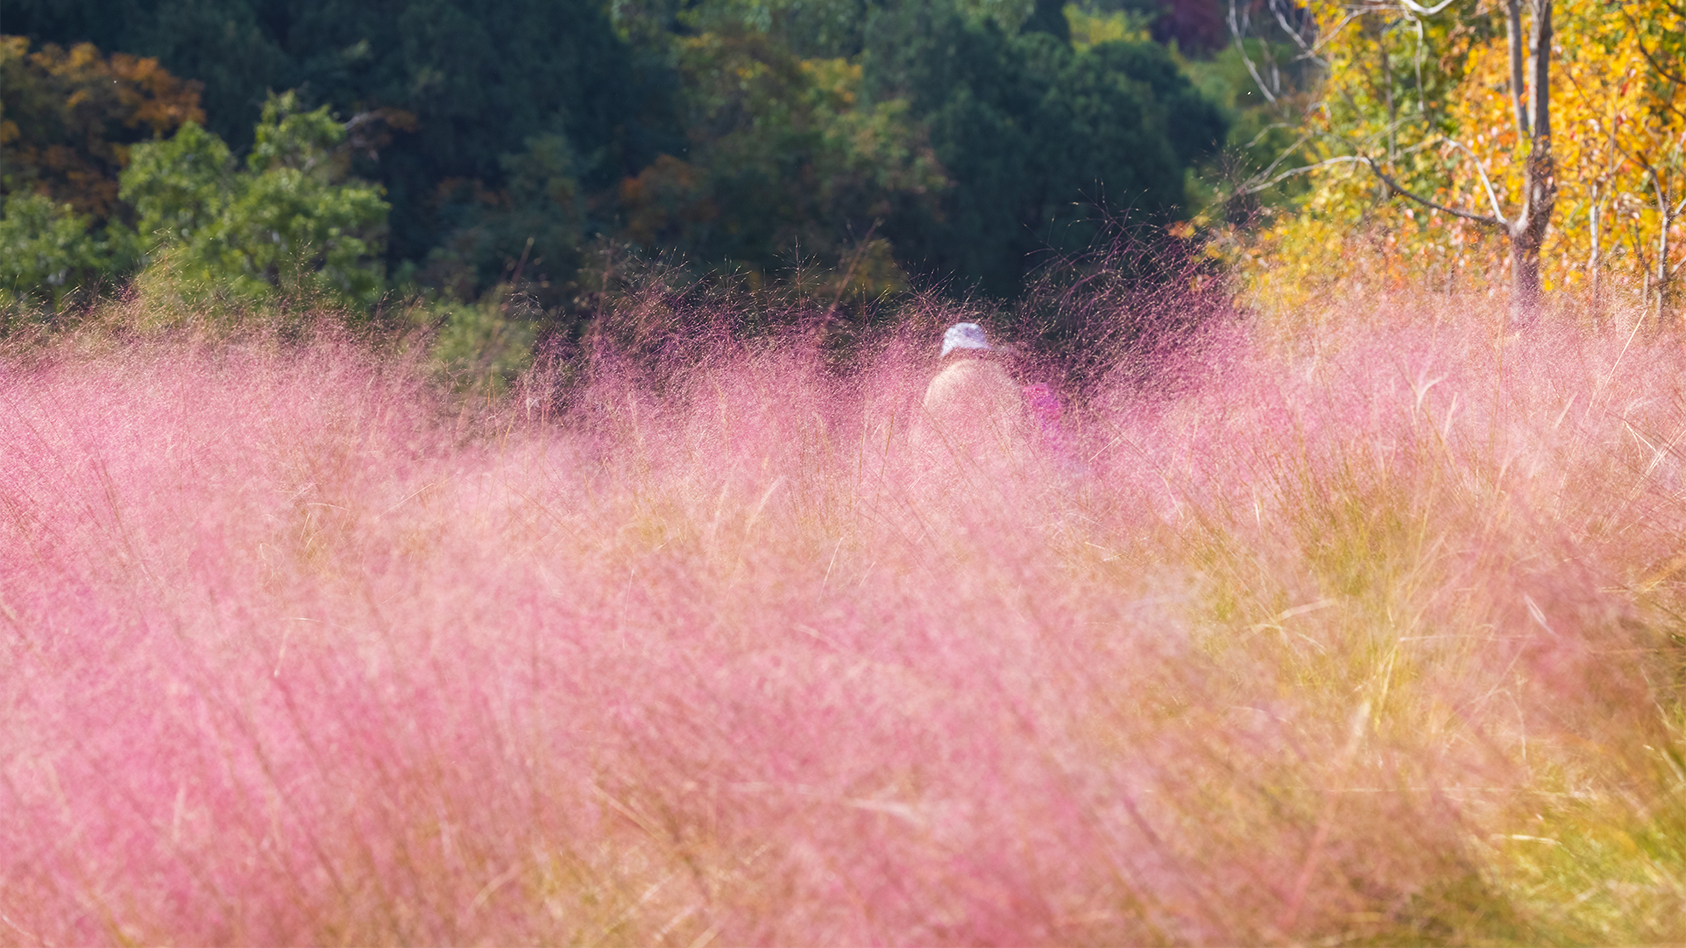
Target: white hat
point(964, 336)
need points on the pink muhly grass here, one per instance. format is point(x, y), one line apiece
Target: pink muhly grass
point(294, 653)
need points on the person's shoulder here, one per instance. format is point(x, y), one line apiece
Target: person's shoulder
point(954, 374)
point(972, 373)
point(970, 385)
point(996, 373)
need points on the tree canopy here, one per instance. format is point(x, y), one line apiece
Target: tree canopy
point(1037, 139)
point(69, 116)
point(952, 142)
point(288, 220)
point(439, 91)
point(1434, 131)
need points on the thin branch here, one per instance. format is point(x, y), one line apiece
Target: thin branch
point(1480, 169)
point(1291, 150)
point(1634, 25)
point(1425, 11)
point(1497, 222)
point(1254, 185)
point(1276, 8)
point(1252, 188)
point(1422, 107)
point(1362, 146)
point(1264, 180)
point(1241, 44)
point(1266, 131)
point(1323, 41)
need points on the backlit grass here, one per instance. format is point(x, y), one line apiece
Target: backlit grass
point(1376, 640)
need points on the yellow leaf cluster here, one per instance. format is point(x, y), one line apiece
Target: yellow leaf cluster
point(1429, 98)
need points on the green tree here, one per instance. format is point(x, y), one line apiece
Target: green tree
point(786, 157)
point(290, 221)
point(447, 89)
point(48, 252)
point(1044, 145)
point(68, 119)
point(963, 135)
point(529, 233)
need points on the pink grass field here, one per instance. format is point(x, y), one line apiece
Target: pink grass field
point(1369, 638)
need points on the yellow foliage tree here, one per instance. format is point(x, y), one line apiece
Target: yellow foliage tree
point(1447, 151)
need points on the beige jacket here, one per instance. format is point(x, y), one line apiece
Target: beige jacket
point(973, 414)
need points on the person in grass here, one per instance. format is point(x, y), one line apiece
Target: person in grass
point(974, 418)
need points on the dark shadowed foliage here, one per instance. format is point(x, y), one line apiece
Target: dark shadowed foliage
point(1139, 310)
point(1043, 144)
point(908, 145)
point(460, 89)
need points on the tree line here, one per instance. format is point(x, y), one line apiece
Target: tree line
point(459, 146)
point(1538, 145)
point(452, 146)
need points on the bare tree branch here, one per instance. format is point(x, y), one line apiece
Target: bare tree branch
point(1422, 100)
point(1264, 180)
point(1496, 222)
point(1241, 44)
point(1492, 196)
point(1425, 11)
point(1323, 41)
point(1276, 8)
point(1254, 185)
point(1266, 131)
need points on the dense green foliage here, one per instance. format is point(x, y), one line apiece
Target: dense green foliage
point(1038, 140)
point(47, 250)
point(953, 140)
point(446, 91)
point(287, 221)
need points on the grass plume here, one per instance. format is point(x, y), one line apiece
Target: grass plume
point(1371, 637)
